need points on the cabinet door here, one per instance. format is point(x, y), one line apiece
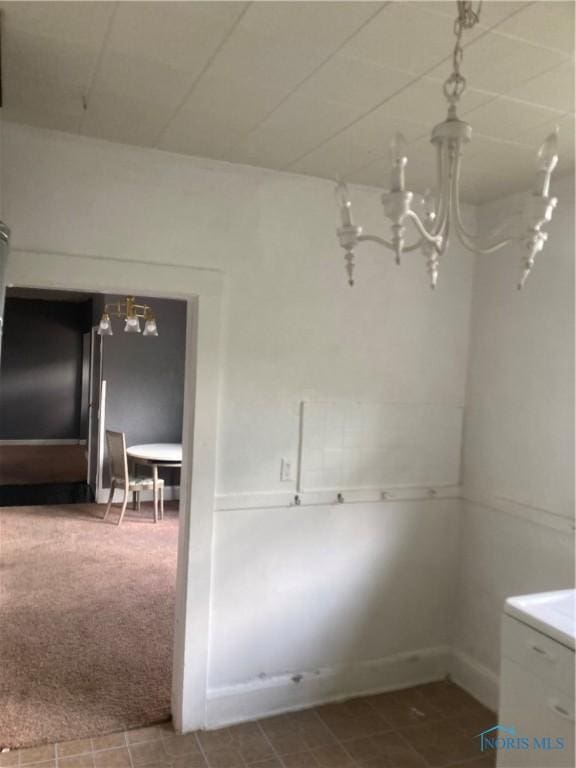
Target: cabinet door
point(544, 657)
point(536, 710)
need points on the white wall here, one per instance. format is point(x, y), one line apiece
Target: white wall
point(286, 592)
point(294, 329)
point(342, 583)
point(316, 591)
point(519, 432)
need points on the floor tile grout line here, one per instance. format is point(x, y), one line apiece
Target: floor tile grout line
point(268, 740)
point(125, 734)
point(337, 739)
point(201, 748)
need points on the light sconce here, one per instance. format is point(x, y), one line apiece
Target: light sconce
point(131, 313)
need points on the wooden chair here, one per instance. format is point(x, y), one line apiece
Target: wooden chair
point(120, 477)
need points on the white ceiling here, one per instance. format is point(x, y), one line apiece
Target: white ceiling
point(311, 87)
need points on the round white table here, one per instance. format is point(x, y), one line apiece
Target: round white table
point(156, 455)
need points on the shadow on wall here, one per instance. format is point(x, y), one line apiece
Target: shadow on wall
point(41, 382)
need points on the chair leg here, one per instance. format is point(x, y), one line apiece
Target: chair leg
point(161, 502)
point(110, 498)
point(155, 487)
point(124, 505)
point(138, 500)
point(134, 502)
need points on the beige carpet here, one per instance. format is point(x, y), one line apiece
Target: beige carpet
point(86, 622)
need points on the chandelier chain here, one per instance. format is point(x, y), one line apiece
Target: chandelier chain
point(468, 16)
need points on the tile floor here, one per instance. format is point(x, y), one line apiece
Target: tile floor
point(429, 726)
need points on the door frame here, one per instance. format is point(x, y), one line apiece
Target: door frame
point(202, 290)
point(94, 386)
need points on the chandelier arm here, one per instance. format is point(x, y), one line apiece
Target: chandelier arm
point(375, 239)
point(413, 247)
point(469, 241)
point(114, 309)
point(386, 244)
point(427, 236)
point(443, 193)
point(456, 197)
point(440, 177)
point(449, 195)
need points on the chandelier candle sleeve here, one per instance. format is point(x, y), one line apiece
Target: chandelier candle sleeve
point(344, 203)
point(442, 217)
point(398, 160)
point(547, 161)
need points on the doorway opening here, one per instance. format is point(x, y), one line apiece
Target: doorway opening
point(89, 604)
point(202, 289)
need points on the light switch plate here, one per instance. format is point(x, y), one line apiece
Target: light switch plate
point(285, 471)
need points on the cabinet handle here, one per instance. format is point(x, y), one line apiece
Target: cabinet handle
point(559, 710)
point(542, 652)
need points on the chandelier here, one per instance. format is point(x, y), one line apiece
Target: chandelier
point(442, 214)
point(131, 312)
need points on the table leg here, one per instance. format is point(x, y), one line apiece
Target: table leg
point(155, 476)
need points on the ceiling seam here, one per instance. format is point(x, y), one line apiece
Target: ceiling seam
point(472, 168)
point(495, 97)
point(510, 97)
point(202, 72)
point(289, 165)
point(97, 64)
point(311, 74)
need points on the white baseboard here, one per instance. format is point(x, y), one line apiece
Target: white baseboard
point(171, 493)
point(478, 680)
point(42, 442)
point(284, 693)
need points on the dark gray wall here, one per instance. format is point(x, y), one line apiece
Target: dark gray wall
point(41, 381)
point(145, 376)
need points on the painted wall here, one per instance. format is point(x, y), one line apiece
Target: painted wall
point(3, 248)
point(519, 432)
point(313, 603)
point(293, 330)
point(41, 382)
point(145, 376)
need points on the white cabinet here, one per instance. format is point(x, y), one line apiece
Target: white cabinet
point(536, 699)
